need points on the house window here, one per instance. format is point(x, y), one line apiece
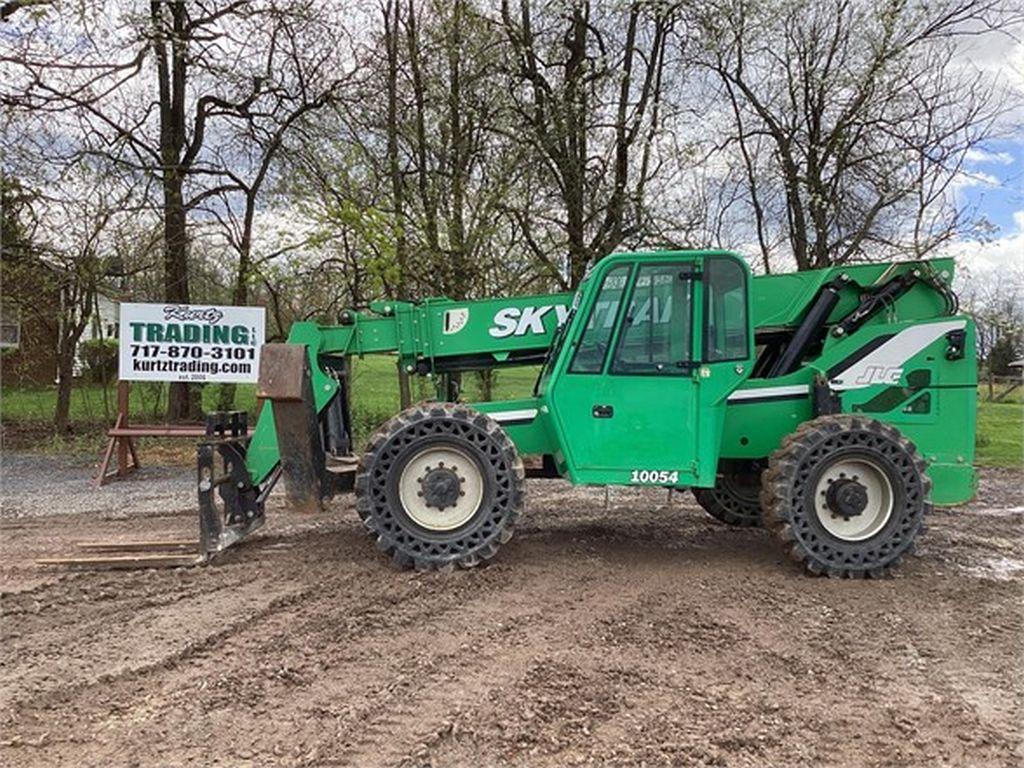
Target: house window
point(10, 331)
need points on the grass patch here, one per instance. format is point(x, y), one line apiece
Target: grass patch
point(1000, 440)
point(93, 403)
point(375, 390)
point(375, 399)
point(27, 413)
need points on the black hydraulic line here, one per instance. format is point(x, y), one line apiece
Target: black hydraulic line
point(336, 419)
point(772, 345)
point(940, 286)
point(809, 329)
point(874, 302)
point(337, 440)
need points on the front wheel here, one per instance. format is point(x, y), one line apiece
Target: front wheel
point(440, 485)
point(846, 495)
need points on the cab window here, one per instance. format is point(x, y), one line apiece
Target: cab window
point(593, 345)
point(726, 334)
point(657, 329)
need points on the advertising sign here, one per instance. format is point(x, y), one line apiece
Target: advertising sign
point(189, 342)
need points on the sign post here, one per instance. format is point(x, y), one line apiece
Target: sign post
point(178, 342)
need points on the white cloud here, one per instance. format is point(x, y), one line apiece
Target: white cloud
point(976, 179)
point(975, 155)
point(999, 56)
point(999, 254)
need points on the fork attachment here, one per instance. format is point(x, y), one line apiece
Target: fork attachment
point(230, 506)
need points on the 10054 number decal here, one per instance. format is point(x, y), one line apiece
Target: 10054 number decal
point(655, 476)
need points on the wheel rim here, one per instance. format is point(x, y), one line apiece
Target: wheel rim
point(440, 488)
point(853, 499)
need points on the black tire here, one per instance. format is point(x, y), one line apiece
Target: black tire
point(440, 426)
point(735, 500)
point(798, 476)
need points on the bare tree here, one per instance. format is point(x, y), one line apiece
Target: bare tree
point(590, 111)
point(92, 68)
point(850, 120)
point(290, 57)
point(432, 163)
point(995, 299)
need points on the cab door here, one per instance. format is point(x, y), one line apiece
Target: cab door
point(625, 399)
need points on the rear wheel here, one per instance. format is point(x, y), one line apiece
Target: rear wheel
point(847, 496)
point(735, 499)
point(440, 485)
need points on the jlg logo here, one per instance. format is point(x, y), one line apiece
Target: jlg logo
point(879, 374)
point(513, 321)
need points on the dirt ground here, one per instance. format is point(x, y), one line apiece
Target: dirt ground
point(644, 634)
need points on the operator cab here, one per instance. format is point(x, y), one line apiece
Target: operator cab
point(637, 383)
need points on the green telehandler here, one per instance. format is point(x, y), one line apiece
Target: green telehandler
point(833, 406)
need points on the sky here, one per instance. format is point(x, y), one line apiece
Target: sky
point(995, 190)
point(994, 172)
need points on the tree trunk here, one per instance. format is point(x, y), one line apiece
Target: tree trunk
point(487, 379)
point(240, 294)
point(459, 268)
point(182, 399)
point(427, 197)
point(65, 374)
point(391, 21)
point(69, 332)
point(575, 107)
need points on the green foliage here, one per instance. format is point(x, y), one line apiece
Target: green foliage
point(1004, 351)
point(100, 359)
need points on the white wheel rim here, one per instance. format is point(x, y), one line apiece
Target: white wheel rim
point(879, 500)
point(471, 488)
